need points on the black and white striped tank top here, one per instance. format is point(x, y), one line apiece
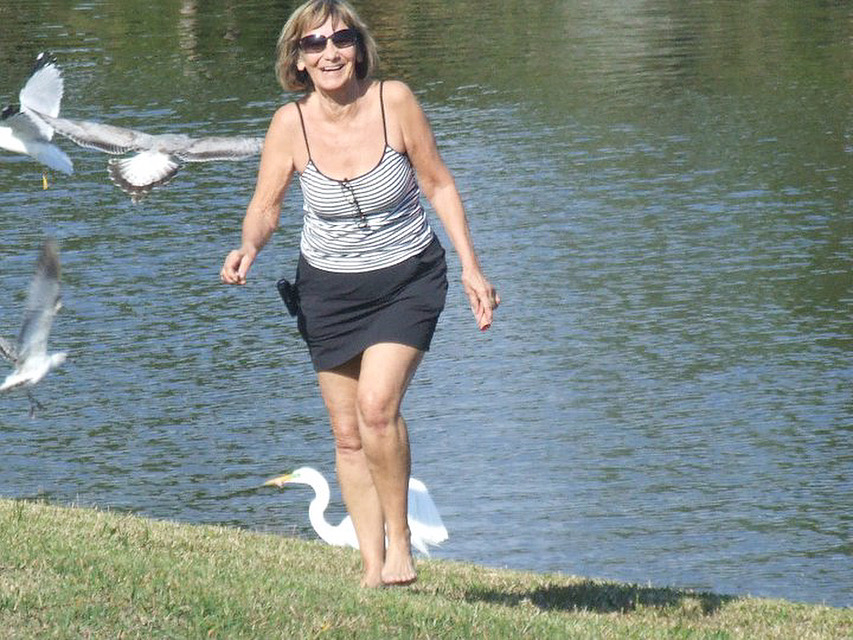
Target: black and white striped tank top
point(372, 221)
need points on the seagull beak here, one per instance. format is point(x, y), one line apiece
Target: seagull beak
point(278, 481)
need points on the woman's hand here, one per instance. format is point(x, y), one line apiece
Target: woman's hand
point(236, 266)
point(482, 296)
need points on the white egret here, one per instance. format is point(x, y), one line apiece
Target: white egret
point(159, 157)
point(424, 520)
point(29, 355)
point(21, 131)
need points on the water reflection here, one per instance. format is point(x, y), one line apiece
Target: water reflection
point(662, 195)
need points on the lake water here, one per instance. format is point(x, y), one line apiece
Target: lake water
point(662, 193)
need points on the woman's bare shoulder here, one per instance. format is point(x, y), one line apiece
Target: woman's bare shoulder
point(404, 114)
point(282, 147)
point(398, 93)
point(286, 116)
point(285, 128)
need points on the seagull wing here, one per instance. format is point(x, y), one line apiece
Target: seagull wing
point(220, 148)
point(43, 91)
point(42, 304)
point(139, 174)
point(101, 137)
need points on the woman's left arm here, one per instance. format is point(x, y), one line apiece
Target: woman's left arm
point(439, 187)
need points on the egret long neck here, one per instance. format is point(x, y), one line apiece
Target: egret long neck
point(317, 510)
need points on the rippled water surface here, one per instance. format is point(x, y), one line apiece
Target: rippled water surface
point(662, 195)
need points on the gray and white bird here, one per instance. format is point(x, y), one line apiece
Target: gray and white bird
point(29, 354)
point(159, 157)
point(21, 131)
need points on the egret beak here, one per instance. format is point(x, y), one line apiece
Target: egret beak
point(44, 181)
point(278, 481)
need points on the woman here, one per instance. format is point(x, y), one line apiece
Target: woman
point(371, 276)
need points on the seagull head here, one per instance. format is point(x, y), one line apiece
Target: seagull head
point(9, 111)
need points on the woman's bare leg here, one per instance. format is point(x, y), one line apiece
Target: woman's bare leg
point(339, 389)
point(386, 371)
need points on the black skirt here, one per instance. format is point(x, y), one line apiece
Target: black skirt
point(341, 314)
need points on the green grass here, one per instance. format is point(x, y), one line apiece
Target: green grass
point(70, 572)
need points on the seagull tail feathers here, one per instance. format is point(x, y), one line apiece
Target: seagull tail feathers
point(138, 175)
point(52, 156)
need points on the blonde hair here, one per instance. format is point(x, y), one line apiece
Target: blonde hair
point(309, 16)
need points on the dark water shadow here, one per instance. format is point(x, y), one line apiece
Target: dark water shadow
point(603, 597)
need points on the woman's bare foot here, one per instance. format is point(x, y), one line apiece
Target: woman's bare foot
point(399, 569)
point(371, 576)
point(371, 582)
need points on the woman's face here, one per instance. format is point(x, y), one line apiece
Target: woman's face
point(332, 67)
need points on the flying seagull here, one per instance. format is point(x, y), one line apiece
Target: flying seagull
point(21, 131)
point(29, 354)
point(158, 157)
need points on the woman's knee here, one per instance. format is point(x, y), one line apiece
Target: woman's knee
point(386, 371)
point(377, 409)
point(346, 433)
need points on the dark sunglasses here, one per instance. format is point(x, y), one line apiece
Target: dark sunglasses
point(342, 39)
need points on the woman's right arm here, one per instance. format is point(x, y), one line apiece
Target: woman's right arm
point(262, 215)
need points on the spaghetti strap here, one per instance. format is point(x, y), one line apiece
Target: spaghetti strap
point(382, 105)
point(304, 133)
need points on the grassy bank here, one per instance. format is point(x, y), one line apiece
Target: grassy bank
point(72, 572)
